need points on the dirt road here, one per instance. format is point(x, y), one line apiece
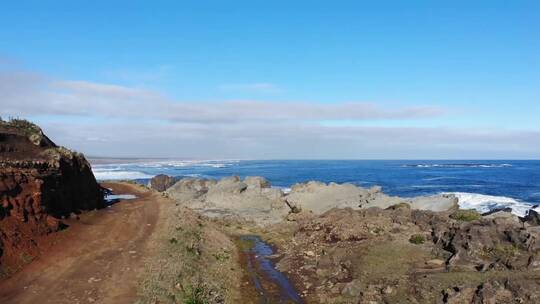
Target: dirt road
point(98, 259)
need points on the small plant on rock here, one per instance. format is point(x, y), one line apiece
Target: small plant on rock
point(500, 252)
point(417, 239)
point(466, 215)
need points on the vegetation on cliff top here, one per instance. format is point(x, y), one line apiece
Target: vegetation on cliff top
point(27, 127)
point(36, 136)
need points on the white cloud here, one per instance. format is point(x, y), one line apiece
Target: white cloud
point(38, 96)
point(104, 119)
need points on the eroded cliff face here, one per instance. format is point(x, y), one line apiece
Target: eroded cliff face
point(40, 183)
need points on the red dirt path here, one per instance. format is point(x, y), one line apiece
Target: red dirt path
point(98, 259)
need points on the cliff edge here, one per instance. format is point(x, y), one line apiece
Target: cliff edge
point(40, 183)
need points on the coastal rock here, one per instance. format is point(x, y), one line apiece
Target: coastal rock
point(320, 197)
point(40, 183)
point(189, 188)
point(256, 182)
point(231, 184)
point(162, 182)
point(437, 203)
point(532, 218)
point(503, 213)
point(371, 248)
point(494, 291)
point(488, 244)
point(251, 199)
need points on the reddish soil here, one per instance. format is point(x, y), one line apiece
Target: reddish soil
point(98, 259)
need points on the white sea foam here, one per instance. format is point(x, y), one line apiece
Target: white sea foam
point(444, 186)
point(439, 178)
point(285, 190)
point(457, 166)
point(186, 163)
point(148, 169)
point(101, 174)
point(485, 203)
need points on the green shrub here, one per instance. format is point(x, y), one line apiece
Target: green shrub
point(500, 252)
point(417, 239)
point(196, 295)
point(221, 256)
point(193, 249)
point(466, 215)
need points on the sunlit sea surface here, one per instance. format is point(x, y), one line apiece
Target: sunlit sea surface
point(483, 185)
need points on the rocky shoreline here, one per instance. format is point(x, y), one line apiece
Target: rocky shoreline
point(341, 243)
point(253, 199)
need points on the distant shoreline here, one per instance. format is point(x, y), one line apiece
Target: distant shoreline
point(125, 160)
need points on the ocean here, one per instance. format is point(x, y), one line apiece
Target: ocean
point(482, 185)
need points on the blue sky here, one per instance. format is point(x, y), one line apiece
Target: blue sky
point(475, 65)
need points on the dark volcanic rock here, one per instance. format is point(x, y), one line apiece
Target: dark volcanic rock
point(363, 256)
point(162, 182)
point(40, 183)
point(532, 217)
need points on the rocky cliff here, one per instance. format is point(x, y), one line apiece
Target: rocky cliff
point(40, 183)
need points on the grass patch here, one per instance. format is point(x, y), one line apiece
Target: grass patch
point(194, 262)
point(417, 239)
point(195, 295)
point(221, 256)
point(500, 252)
point(388, 260)
point(193, 249)
point(466, 215)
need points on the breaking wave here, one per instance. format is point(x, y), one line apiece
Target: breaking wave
point(188, 163)
point(457, 165)
point(149, 169)
point(439, 178)
point(101, 174)
point(485, 203)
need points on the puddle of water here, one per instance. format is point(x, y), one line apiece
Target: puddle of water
point(272, 285)
point(120, 197)
point(114, 198)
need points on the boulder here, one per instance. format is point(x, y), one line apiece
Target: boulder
point(532, 217)
point(505, 213)
point(320, 197)
point(256, 182)
point(251, 199)
point(189, 188)
point(231, 184)
point(162, 182)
